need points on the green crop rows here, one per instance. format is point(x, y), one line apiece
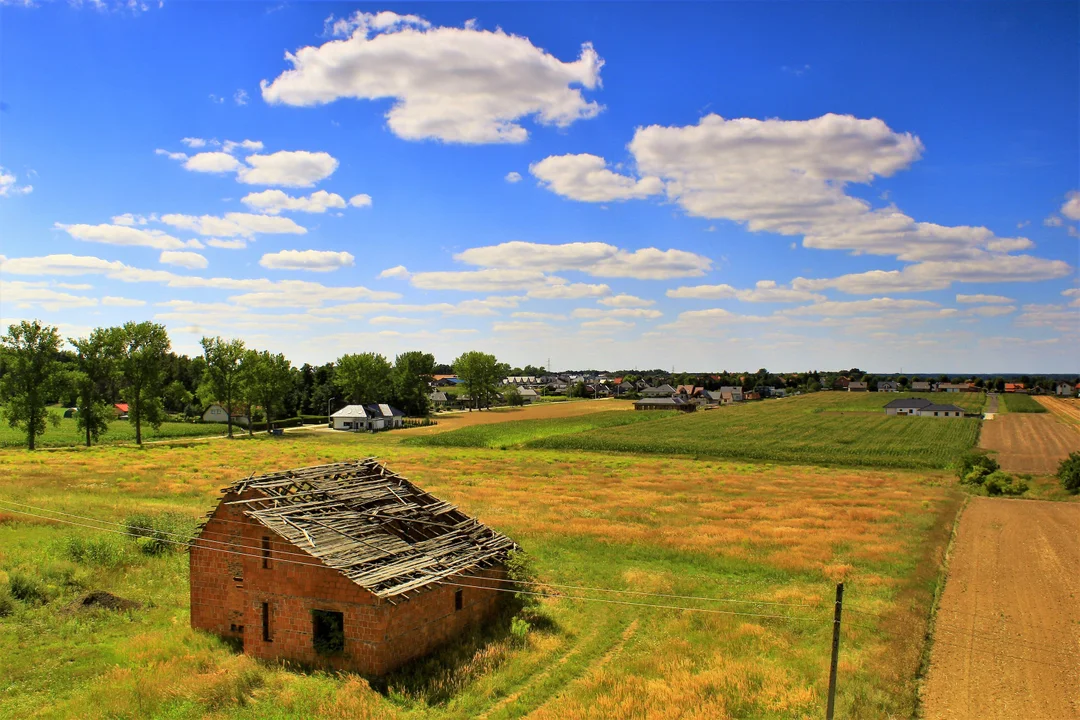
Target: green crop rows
point(518, 432)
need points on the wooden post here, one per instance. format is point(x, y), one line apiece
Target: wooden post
point(835, 650)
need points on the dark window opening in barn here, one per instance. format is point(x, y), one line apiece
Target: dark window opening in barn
point(458, 600)
point(266, 552)
point(328, 631)
point(266, 622)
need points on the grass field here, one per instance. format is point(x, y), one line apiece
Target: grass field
point(832, 429)
point(869, 402)
point(120, 431)
point(1017, 403)
point(507, 434)
point(669, 525)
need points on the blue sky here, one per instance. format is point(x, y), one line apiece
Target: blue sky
point(697, 186)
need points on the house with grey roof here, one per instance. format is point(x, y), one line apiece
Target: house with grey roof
point(664, 390)
point(665, 403)
point(921, 407)
point(921, 386)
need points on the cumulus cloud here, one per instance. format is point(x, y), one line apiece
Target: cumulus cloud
point(296, 168)
point(569, 291)
point(276, 201)
point(1071, 208)
point(312, 260)
point(646, 313)
point(231, 146)
point(984, 299)
point(1053, 221)
point(194, 142)
point(586, 177)
point(703, 292)
point(9, 185)
point(524, 315)
point(114, 301)
point(212, 162)
point(763, 291)
point(234, 224)
point(939, 275)
point(607, 325)
point(398, 271)
point(520, 326)
point(238, 244)
point(493, 280)
point(991, 310)
point(132, 220)
point(513, 177)
point(29, 294)
point(845, 308)
point(594, 258)
point(625, 300)
point(122, 235)
point(460, 85)
point(190, 260)
point(361, 200)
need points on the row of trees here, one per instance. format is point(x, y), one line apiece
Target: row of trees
point(134, 363)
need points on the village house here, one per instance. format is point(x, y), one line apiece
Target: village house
point(921, 386)
point(959, 387)
point(218, 414)
point(120, 410)
point(888, 386)
point(664, 390)
point(735, 391)
point(368, 418)
point(346, 566)
point(922, 408)
point(528, 395)
point(857, 386)
point(1065, 390)
point(1014, 387)
point(665, 403)
point(438, 400)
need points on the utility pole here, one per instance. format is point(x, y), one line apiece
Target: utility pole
point(835, 650)
point(329, 420)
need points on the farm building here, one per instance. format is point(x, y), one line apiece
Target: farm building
point(347, 566)
point(665, 403)
point(922, 408)
point(664, 390)
point(217, 414)
point(857, 386)
point(957, 387)
point(438, 399)
point(528, 395)
point(360, 418)
point(120, 410)
point(1014, 387)
point(921, 386)
point(1065, 390)
point(888, 386)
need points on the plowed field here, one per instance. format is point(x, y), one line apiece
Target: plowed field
point(1027, 442)
point(1007, 636)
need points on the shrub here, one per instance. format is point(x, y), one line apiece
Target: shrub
point(102, 551)
point(973, 467)
point(1002, 483)
point(28, 588)
point(520, 567)
point(519, 631)
point(158, 533)
point(7, 603)
point(1069, 473)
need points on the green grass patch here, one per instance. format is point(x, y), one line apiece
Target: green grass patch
point(66, 433)
point(1017, 403)
point(519, 432)
point(874, 401)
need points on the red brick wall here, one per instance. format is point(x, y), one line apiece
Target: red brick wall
point(379, 636)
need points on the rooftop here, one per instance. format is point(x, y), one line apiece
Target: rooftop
point(372, 525)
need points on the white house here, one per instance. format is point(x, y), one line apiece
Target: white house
point(217, 414)
point(528, 395)
point(357, 419)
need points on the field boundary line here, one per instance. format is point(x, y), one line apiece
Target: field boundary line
point(923, 670)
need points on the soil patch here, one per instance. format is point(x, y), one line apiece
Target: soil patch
point(106, 600)
point(1029, 442)
point(1007, 635)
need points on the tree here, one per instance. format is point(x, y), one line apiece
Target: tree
point(1069, 473)
point(480, 373)
point(143, 349)
point(29, 352)
point(177, 396)
point(412, 373)
point(93, 379)
point(268, 379)
point(512, 396)
point(364, 378)
point(223, 375)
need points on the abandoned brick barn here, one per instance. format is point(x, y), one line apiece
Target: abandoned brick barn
point(344, 566)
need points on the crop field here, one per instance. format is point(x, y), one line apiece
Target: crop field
point(1068, 409)
point(750, 533)
point(874, 401)
point(818, 429)
point(1017, 403)
point(120, 431)
point(506, 434)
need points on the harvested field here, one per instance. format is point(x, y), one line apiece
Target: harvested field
point(1007, 635)
point(1029, 442)
point(1067, 409)
point(540, 411)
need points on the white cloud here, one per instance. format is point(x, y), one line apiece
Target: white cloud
point(594, 258)
point(194, 142)
point(461, 85)
point(275, 201)
point(213, 162)
point(398, 271)
point(646, 313)
point(395, 320)
point(238, 244)
point(847, 308)
point(28, 294)
point(234, 224)
point(298, 168)
point(624, 300)
point(769, 291)
point(569, 291)
point(190, 260)
point(240, 97)
point(361, 200)
point(519, 326)
point(171, 155)
point(493, 280)
point(522, 315)
point(513, 176)
point(985, 299)
point(312, 260)
point(113, 301)
point(1071, 208)
point(8, 186)
point(122, 235)
point(586, 177)
point(1053, 221)
point(1059, 317)
point(991, 310)
point(231, 146)
point(938, 275)
point(607, 325)
point(703, 292)
point(131, 220)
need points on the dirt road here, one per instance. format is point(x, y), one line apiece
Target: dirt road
point(1029, 442)
point(1007, 637)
